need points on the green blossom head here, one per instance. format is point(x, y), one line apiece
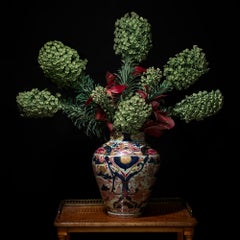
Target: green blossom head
point(186, 67)
point(151, 78)
point(37, 104)
point(61, 64)
point(132, 37)
point(199, 105)
point(131, 115)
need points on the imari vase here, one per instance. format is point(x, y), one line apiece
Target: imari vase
point(125, 169)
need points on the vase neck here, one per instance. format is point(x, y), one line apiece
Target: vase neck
point(138, 137)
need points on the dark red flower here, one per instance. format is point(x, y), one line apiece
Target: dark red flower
point(156, 127)
point(110, 126)
point(155, 105)
point(89, 100)
point(110, 78)
point(142, 94)
point(116, 89)
point(138, 71)
point(100, 114)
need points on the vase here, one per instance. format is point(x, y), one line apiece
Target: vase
point(125, 169)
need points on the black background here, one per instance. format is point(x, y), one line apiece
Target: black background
point(46, 160)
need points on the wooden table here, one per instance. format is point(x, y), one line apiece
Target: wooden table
point(167, 215)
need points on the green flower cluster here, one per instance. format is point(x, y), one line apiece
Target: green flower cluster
point(198, 106)
point(131, 114)
point(100, 97)
point(151, 78)
point(132, 37)
point(186, 67)
point(61, 64)
point(36, 103)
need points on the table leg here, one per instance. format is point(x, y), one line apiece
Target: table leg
point(63, 235)
point(180, 235)
point(188, 233)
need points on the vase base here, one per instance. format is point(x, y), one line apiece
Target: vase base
point(124, 214)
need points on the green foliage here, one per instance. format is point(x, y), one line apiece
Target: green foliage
point(82, 114)
point(125, 76)
point(83, 117)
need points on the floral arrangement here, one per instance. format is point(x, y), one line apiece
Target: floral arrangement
point(134, 99)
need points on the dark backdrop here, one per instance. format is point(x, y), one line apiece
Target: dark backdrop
point(46, 160)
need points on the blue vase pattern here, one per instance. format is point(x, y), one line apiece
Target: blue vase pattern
point(125, 172)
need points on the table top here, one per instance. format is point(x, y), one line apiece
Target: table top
point(160, 212)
